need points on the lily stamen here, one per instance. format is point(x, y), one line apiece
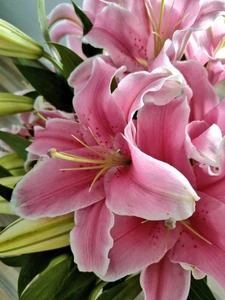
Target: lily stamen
point(195, 232)
point(104, 161)
point(156, 24)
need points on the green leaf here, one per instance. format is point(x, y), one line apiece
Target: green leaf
point(52, 86)
point(77, 286)
point(50, 281)
point(32, 94)
point(32, 265)
point(5, 192)
point(200, 291)
point(14, 261)
point(127, 290)
point(90, 51)
point(4, 172)
point(28, 62)
point(70, 60)
point(84, 19)
point(16, 143)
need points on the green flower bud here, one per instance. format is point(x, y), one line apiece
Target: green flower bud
point(5, 207)
point(15, 43)
point(12, 104)
point(28, 236)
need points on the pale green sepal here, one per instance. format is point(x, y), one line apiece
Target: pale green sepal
point(10, 181)
point(11, 161)
point(27, 236)
point(12, 104)
point(5, 207)
point(16, 43)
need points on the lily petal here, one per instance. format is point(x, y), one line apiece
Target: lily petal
point(204, 95)
point(126, 44)
point(162, 135)
point(47, 190)
point(154, 190)
point(90, 239)
point(206, 253)
point(165, 280)
point(136, 245)
point(57, 134)
point(94, 111)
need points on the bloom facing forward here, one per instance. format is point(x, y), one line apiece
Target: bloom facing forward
point(95, 158)
point(163, 251)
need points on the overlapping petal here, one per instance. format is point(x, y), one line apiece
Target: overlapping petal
point(57, 134)
point(205, 252)
point(162, 135)
point(126, 44)
point(165, 280)
point(94, 111)
point(90, 239)
point(50, 190)
point(204, 95)
point(136, 245)
point(154, 190)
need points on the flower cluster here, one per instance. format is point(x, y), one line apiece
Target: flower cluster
point(140, 159)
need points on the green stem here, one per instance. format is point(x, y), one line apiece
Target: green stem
point(96, 290)
point(57, 64)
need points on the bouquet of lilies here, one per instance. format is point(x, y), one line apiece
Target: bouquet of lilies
point(114, 162)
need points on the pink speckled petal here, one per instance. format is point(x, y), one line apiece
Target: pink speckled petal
point(136, 245)
point(208, 256)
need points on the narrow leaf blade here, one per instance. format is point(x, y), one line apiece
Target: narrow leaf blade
point(53, 87)
point(46, 286)
point(70, 60)
point(84, 19)
point(200, 291)
point(127, 290)
point(16, 143)
point(5, 192)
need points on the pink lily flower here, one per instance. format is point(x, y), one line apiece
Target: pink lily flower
point(154, 124)
point(208, 47)
point(94, 158)
point(169, 249)
point(166, 251)
point(208, 157)
point(205, 141)
point(146, 26)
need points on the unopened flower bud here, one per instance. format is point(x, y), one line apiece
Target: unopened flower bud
point(28, 236)
point(15, 43)
point(12, 104)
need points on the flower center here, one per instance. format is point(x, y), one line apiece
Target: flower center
point(103, 162)
point(161, 35)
